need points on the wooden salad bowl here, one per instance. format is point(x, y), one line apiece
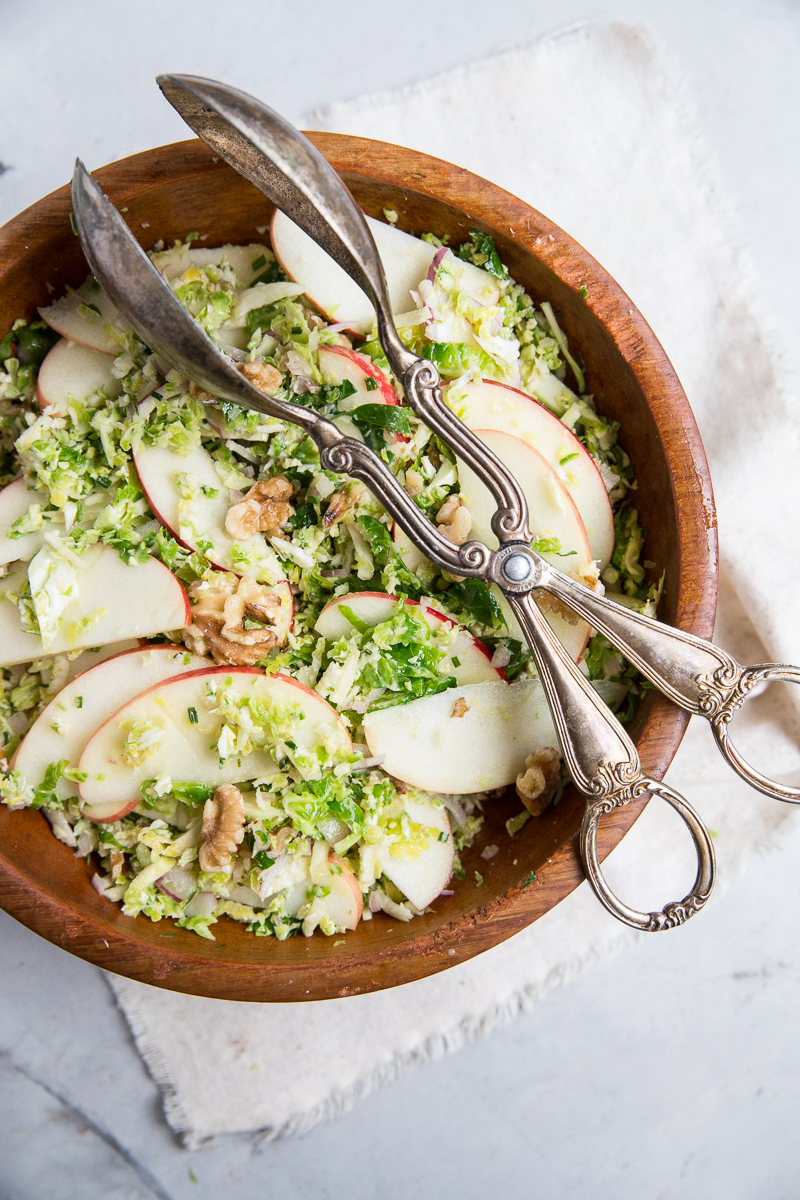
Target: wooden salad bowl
point(168, 192)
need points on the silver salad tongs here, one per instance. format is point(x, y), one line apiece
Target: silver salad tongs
point(600, 756)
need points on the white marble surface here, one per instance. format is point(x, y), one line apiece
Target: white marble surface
point(672, 1072)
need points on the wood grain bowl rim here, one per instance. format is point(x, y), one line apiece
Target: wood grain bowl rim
point(114, 943)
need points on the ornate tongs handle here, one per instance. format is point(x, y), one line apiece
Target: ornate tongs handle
point(605, 766)
point(695, 674)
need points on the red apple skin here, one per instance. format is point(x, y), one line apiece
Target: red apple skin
point(186, 605)
point(121, 812)
point(368, 367)
point(448, 621)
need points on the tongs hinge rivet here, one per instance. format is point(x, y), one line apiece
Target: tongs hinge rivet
point(517, 568)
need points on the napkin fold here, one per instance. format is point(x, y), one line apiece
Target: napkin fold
point(592, 127)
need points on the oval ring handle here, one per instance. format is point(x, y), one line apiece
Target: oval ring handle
point(676, 913)
point(719, 721)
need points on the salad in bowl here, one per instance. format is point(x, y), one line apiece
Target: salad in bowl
point(229, 681)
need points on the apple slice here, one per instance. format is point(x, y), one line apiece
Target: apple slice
point(551, 510)
point(15, 500)
point(64, 727)
point(198, 522)
point(426, 745)
point(373, 608)
point(573, 635)
point(337, 364)
point(174, 262)
point(490, 405)
point(111, 602)
point(71, 371)
point(86, 315)
point(405, 259)
point(187, 749)
point(422, 877)
point(97, 654)
point(343, 902)
point(417, 562)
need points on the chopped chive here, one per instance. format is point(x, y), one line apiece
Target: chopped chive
point(193, 717)
point(528, 881)
point(478, 879)
point(583, 291)
point(258, 263)
point(456, 661)
point(79, 701)
point(73, 226)
point(370, 384)
point(568, 458)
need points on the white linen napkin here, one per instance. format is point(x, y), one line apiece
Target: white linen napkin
point(590, 127)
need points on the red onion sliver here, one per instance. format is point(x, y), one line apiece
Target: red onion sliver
point(453, 806)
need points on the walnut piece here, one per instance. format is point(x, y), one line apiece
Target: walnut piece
point(265, 509)
point(117, 859)
point(535, 784)
point(454, 520)
point(218, 618)
point(223, 827)
point(340, 503)
point(460, 707)
point(414, 482)
point(263, 376)
point(198, 393)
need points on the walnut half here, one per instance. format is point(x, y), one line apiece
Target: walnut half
point(263, 376)
point(535, 784)
point(223, 827)
point(265, 509)
point(218, 620)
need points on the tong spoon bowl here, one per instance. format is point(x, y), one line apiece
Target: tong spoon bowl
point(600, 756)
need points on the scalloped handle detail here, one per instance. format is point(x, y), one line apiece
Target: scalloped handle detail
point(722, 695)
point(616, 785)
